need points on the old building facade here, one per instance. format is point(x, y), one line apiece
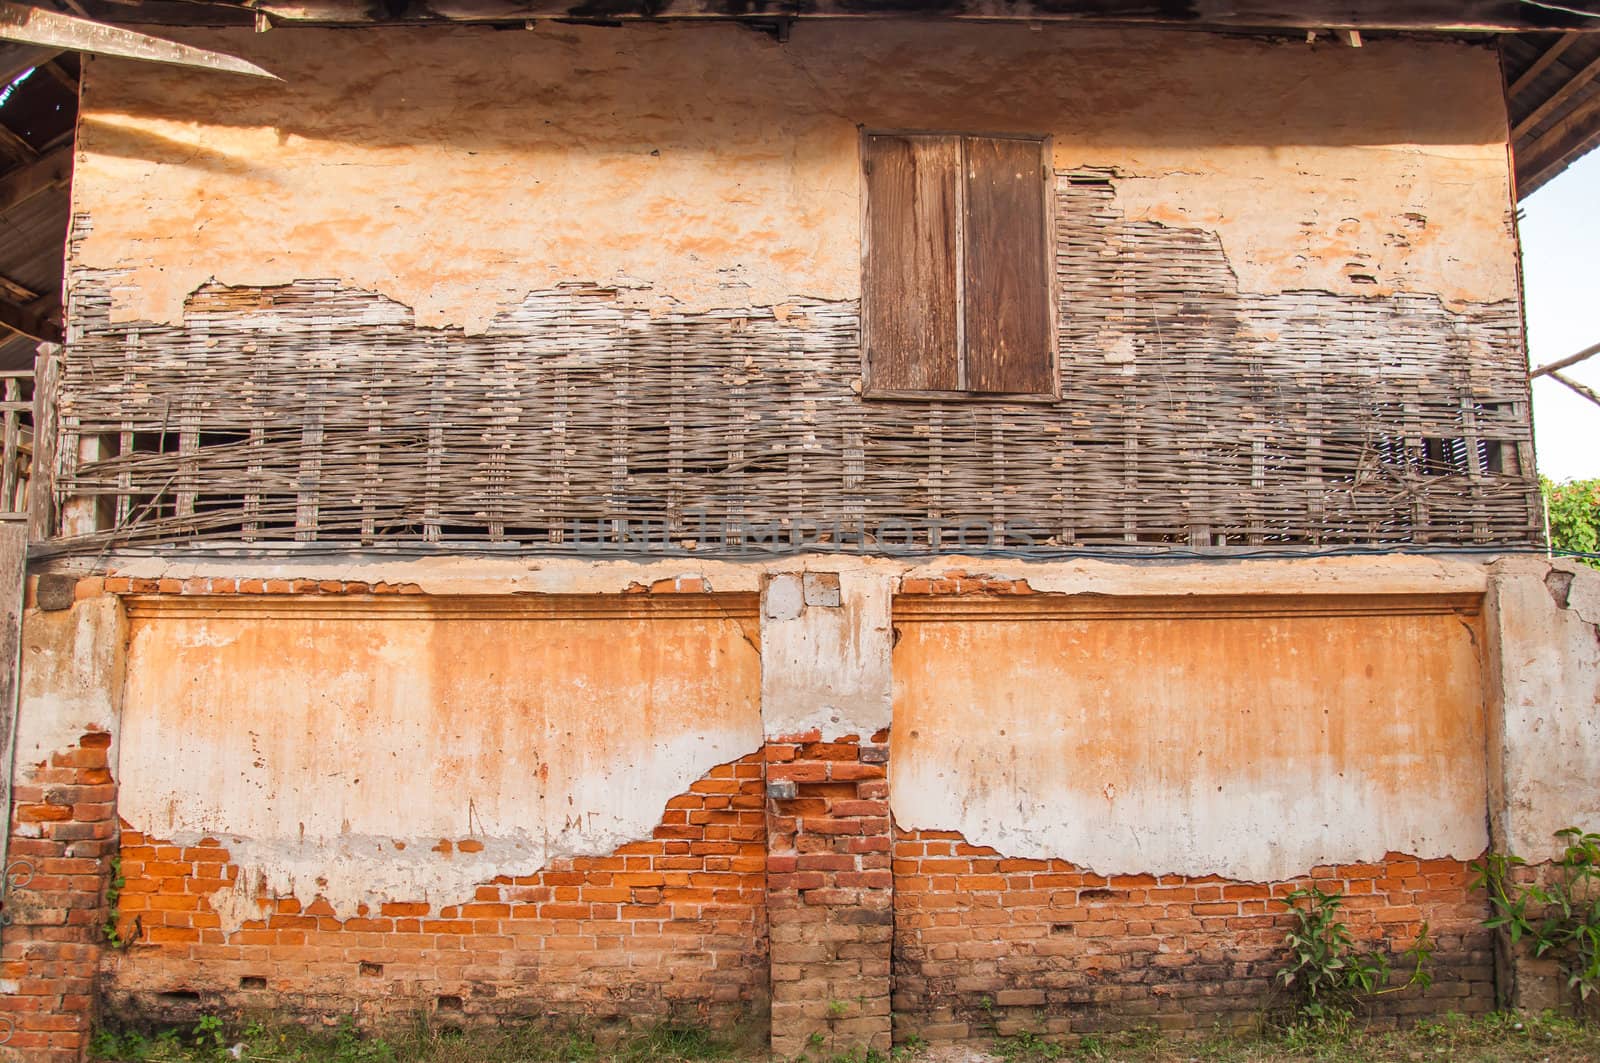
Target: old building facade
point(905, 527)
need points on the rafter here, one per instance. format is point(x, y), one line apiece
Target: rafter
point(27, 322)
point(1541, 64)
point(51, 170)
point(14, 146)
point(17, 292)
point(1557, 98)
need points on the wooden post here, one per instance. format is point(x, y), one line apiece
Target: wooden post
point(13, 567)
point(42, 472)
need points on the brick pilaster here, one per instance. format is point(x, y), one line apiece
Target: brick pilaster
point(830, 893)
point(63, 829)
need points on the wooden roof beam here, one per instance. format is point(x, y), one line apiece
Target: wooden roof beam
point(32, 25)
point(51, 170)
point(27, 322)
point(16, 292)
point(13, 146)
point(1478, 16)
point(18, 60)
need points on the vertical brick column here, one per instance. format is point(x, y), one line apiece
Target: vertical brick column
point(63, 830)
point(830, 892)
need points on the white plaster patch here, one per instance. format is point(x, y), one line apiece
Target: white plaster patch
point(826, 667)
point(1549, 690)
point(71, 678)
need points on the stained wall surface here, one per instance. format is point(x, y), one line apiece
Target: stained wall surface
point(1248, 737)
point(455, 171)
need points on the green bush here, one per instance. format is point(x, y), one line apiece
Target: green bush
point(1574, 508)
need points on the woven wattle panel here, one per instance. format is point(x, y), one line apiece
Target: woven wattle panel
point(1189, 413)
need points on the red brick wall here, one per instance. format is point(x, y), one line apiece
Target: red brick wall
point(62, 834)
point(829, 892)
point(986, 944)
point(671, 926)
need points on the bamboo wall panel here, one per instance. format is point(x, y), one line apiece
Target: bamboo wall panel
point(1190, 413)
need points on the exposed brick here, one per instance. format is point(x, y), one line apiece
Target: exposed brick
point(989, 943)
point(829, 909)
point(660, 925)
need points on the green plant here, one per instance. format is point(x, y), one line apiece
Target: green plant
point(1326, 972)
point(1560, 915)
point(1574, 514)
point(909, 1048)
point(114, 887)
point(209, 1039)
point(1027, 1047)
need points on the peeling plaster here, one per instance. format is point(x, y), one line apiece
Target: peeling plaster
point(696, 167)
point(1251, 746)
point(333, 753)
point(72, 668)
point(378, 698)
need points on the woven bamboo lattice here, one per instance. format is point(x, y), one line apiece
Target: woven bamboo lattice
point(1189, 413)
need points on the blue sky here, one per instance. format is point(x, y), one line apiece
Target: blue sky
point(1561, 281)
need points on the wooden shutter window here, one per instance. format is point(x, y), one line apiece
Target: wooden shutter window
point(910, 288)
point(957, 296)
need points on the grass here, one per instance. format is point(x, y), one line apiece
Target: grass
point(1499, 1038)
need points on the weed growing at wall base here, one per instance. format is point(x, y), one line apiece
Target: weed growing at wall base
point(1326, 973)
point(1558, 913)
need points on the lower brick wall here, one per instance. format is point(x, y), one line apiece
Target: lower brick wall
point(973, 943)
point(63, 832)
point(671, 927)
point(986, 944)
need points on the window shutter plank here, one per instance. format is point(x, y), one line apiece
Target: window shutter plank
point(1009, 333)
point(909, 283)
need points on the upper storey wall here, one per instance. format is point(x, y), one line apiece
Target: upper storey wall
point(570, 286)
point(456, 171)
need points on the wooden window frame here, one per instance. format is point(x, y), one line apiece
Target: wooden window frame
point(1048, 236)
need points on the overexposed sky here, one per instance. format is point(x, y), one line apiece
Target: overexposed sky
point(1561, 282)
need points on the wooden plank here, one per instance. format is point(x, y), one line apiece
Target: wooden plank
point(1007, 268)
point(42, 474)
point(51, 170)
point(1557, 98)
point(13, 569)
point(1541, 64)
point(50, 29)
point(13, 485)
point(909, 280)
